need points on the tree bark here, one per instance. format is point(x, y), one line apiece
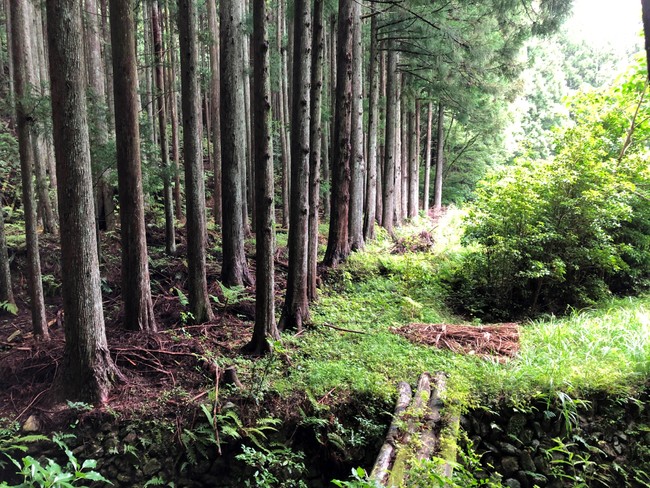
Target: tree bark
point(136, 289)
point(247, 168)
point(414, 165)
point(2, 44)
point(37, 88)
point(233, 144)
point(168, 196)
point(283, 116)
point(10, 63)
point(6, 293)
point(215, 109)
point(86, 370)
point(440, 150)
point(645, 8)
point(381, 149)
point(404, 150)
point(172, 103)
point(265, 326)
point(398, 152)
point(392, 82)
point(296, 308)
point(338, 246)
point(146, 80)
point(315, 142)
point(108, 65)
point(357, 166)
point(199, 301)
point(373, 122)
point(332, 100)
point(427, 160)
point(22, 58)
point(104, 207)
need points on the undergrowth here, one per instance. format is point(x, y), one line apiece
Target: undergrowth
point(605, 349)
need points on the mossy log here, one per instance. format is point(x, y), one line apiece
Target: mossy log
point(415, 432)
point(380, 471)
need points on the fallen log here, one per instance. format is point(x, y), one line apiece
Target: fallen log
point(414, 433)
point(430, 442)
point(385, 456)
point(415, 415)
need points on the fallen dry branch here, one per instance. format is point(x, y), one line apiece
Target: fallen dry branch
point(500, 340)
point(345, 330)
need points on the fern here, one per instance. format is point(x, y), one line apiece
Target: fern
point(9, 307)
point(158, 481)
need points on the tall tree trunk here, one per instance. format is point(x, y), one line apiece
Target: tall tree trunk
point(6, 293)
point(265, 232)
point(389, 197)
point(156, 25)
point(50, 163)
point(233, 145)
point(2, 46)
point(326, 164)
point(10, 62)
point(86, 369)
point(338, 246)
point(284, 126)
point(193, 157)
point(36, 88)
point(645, 8)
point(104, 206)
point(136, 289)
point(373, 122)
point(172, 103)
point(215, 108)
point(381, 146)
point(315, 141)
point(22, 58)
point(147, 78)
point(398, 153)
point(357, 166)
point(296, 306)
point(414, 164)
point(247, 169)
point(404, 151)
point(332, 105)
point(108, 65)
point(440, 158)
point(427, 160)
point(418, 150)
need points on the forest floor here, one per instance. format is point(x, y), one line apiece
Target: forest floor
point(152, 364)
point(179, 357)
point(380, 319)
point(387, 292)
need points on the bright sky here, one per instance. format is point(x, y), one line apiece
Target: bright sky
point(601, 22)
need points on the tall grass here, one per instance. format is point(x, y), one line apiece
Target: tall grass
point(606, 349)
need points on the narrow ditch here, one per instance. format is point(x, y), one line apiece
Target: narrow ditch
point(600, 442)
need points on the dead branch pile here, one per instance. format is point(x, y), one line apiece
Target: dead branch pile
point(501, 340)
point(423, 242)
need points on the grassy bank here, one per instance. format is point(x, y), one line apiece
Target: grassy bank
point(604, 349)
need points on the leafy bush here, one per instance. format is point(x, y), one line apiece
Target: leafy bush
point(548, 235)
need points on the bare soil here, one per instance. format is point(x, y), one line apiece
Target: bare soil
point(152, 365)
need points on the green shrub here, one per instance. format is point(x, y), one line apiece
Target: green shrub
point(548, 235)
